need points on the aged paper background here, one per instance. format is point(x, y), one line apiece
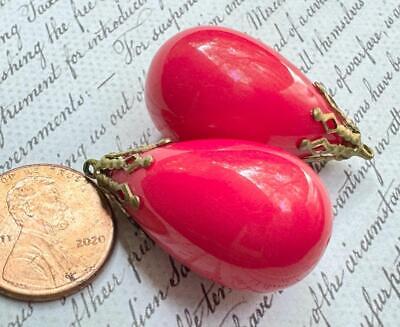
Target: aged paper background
point(71, 87)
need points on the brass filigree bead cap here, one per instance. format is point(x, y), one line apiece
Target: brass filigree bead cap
point(337, 123)
point(129, 161)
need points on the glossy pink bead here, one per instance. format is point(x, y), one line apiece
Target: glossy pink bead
point(243, 214)
point(210, 82)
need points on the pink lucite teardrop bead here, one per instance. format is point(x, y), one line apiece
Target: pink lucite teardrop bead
point(243, 214)
point(212, 82)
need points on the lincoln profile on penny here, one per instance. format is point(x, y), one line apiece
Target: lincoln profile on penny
point(35, 205)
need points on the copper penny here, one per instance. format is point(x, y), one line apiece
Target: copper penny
point(56, 231)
